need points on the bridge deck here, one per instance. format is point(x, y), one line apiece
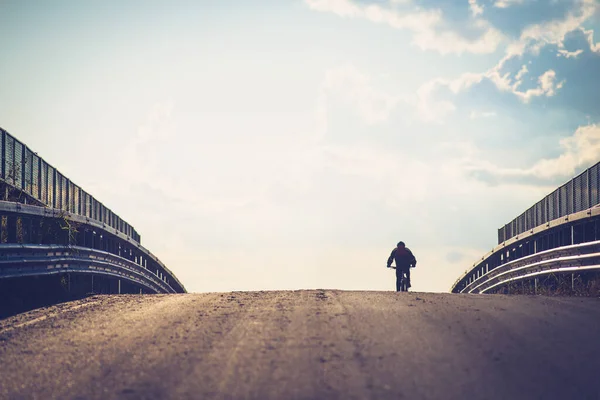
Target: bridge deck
point(304, 344)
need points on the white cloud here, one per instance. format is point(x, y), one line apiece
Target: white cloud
point(322, 115)
point(423, 24)
point(415, 21)
point(427, 37)
point(536, 36)
point(449, 42)
point(569, 54)
point(465, 81)
point(154, 124)
point(347, 84)
point(589, 33)
point(361, 160)
point(506, 3)
point(482, 114)
point(520, 74)
point(476, 9)
point(353, 87)
point(547, 87)
point(532, 39)
point(581, 150)
point(431, 109)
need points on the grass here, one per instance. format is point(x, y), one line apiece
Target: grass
point(585, 284)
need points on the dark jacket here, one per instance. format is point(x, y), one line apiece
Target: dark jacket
point(404, 258)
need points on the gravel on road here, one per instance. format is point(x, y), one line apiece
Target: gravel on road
point(308, 344)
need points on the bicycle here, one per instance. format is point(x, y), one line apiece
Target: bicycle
point(402, 283)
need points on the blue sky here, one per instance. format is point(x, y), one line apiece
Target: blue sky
point(291, 144)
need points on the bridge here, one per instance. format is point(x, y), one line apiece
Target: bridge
point(58, 240)
point(308, 344)
point(553, 247)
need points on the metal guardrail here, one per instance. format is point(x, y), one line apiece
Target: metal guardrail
point(578, 194)
point(28, 260)
point(45, 212)
point(23, 169)
point(566, 220)
point(31, 187)
point(579, 257)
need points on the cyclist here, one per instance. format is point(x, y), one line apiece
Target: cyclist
point(404, 261)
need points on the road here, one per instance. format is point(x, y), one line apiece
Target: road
point(314, 344)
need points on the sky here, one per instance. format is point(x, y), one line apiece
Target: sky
point(271, 145)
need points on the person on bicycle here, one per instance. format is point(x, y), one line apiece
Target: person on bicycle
point(404, 261)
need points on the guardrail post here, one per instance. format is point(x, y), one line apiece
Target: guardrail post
point(11, 222)
point(119, 286)
point(573, 282)
point(535, 285)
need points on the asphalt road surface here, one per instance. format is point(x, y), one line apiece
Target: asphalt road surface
point(317, 344)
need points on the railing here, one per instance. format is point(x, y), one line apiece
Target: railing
point(20, 260)
point(23, 169)
point(578, 194)
point(492, 258)
point(33, 192)
point(579, 257)
point(44, 212)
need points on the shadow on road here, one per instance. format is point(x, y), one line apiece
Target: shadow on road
point(25, 294)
